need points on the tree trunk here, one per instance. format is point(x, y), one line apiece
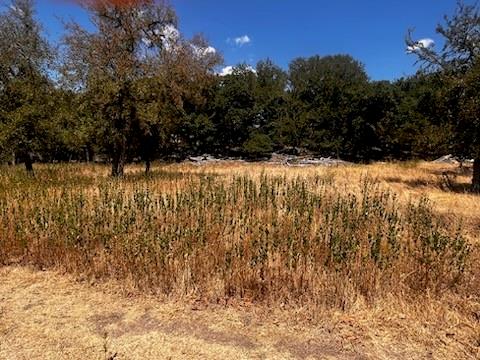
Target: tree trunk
point(29, 164)
point(148, 165)
point(118, 161)
point(476, 176)
point(122, 127)
point(87, 155)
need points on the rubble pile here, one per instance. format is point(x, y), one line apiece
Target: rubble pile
point(300, 161)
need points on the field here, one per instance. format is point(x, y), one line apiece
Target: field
point(233, 255)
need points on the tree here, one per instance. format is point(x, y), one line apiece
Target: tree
point(258, 145)
point(271, 105)
point(468, 126)
point(25, 90)
point(425, 128)
point(175, 104)
point(235, 108)
point(74, 125)
point(124, 49)
point(330, 90)
point(458, 62)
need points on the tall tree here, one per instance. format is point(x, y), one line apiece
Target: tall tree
point(24, 85)
point(271, 107)
point(330, 90)
point(125, 48)
point(235, 108)
point(458, 62)
point(175, 102)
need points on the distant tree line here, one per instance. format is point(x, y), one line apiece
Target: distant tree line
point(134, 88)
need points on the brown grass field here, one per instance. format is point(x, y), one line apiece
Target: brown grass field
point(238, 260)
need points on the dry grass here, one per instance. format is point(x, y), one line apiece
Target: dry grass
point(407, 179)
point(359, 245)
point(48, 316)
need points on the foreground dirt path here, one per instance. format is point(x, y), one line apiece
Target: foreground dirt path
point(44, 315)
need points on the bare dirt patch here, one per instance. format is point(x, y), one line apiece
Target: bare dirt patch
point(317, 349)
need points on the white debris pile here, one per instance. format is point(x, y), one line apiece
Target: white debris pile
point(282, 159)
point(203, 158)
point(210, 159)
point(447, 159)
point(328, 161)
point(301, 161)
point(276, 159)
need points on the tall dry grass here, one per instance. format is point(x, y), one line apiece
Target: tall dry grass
point(272, 235)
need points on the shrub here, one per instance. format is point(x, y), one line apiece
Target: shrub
point(258, 145)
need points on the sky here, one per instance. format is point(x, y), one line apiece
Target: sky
point(372, 31)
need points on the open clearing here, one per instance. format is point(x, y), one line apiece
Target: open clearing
point(51, 310)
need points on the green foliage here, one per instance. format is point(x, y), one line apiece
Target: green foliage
point(458, 64)
point(235, 107)
point(114, 101)
point(258, 145)
point(25, 90)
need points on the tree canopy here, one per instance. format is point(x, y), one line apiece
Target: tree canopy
point(133, 87)
point(458, 64)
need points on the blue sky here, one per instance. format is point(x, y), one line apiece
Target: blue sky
point(372, 31)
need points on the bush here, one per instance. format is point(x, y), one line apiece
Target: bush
point(258, 145)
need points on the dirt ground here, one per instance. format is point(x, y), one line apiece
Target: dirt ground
point(46, 315)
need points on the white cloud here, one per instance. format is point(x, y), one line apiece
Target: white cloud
point(147, 42)
point(170, 36)
point(421, 44)
point(203, 51)
point(228, 70)
point(240, 41)
point(171, 32)
point(209, 50)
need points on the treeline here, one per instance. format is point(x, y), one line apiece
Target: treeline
point(134, 88)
